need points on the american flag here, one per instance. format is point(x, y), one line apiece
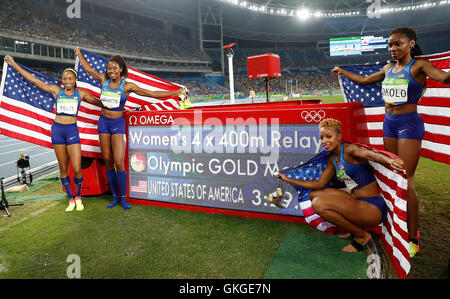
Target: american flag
point(27, 112)
point(393, 230)
point(139, 187)
point(135, 76)
point(434, 108)
point(311, 170)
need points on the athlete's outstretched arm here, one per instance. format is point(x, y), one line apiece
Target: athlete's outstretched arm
point(88, 68)
point(373, 78)
point(131, 87)
point(89, 98)
point(53, 89)
point(433, 72)
point(324, 179)
point(365, 153)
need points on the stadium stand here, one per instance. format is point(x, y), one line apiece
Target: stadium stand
point(31, 18)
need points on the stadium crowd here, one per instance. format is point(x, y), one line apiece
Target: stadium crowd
point(304, 69)
point(303, 59)
point(289, 83)
point(49, 22)
point(201, 86)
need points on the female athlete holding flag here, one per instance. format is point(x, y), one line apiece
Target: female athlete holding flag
point(65, 135)
point(403, 84)
point(111, 125)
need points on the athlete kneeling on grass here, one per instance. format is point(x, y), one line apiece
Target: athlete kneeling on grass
point(65, 135)
point(363, 206)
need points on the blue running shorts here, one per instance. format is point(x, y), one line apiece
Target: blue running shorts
point(379, 202)
point(404, 126)
point(65, 134)
point(111, 125)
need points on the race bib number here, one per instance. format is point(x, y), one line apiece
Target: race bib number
point(67, 106)
point(110, 99)
point(395, 91)
point(343, 177)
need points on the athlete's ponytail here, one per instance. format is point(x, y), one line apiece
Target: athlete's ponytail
point(416, 51)
point(412, 35)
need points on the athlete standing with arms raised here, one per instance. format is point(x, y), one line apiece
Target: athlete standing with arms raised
point(111, 124)
point(64, 131)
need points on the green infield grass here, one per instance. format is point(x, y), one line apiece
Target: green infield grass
point(154, 242)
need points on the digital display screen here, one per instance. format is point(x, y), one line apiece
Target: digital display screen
point(345, 46)
point(373, 43)
point(357, 45)
point(219, 166)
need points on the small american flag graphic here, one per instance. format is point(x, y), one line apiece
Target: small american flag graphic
point(138, 186)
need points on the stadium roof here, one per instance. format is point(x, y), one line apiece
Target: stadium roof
point(240, 22)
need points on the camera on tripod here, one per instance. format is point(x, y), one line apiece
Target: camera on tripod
point(4, 205)
point(22, 163)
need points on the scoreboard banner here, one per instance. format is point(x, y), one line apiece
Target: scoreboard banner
point(226, 158)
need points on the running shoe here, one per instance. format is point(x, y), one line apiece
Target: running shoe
point(71, 206)
point(79, 204)
point(413, 249)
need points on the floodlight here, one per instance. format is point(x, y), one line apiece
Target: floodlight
point(303, 14)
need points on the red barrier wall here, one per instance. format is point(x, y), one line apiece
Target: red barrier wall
point(94, 177)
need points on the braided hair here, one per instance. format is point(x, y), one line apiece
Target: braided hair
point(412, 35)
